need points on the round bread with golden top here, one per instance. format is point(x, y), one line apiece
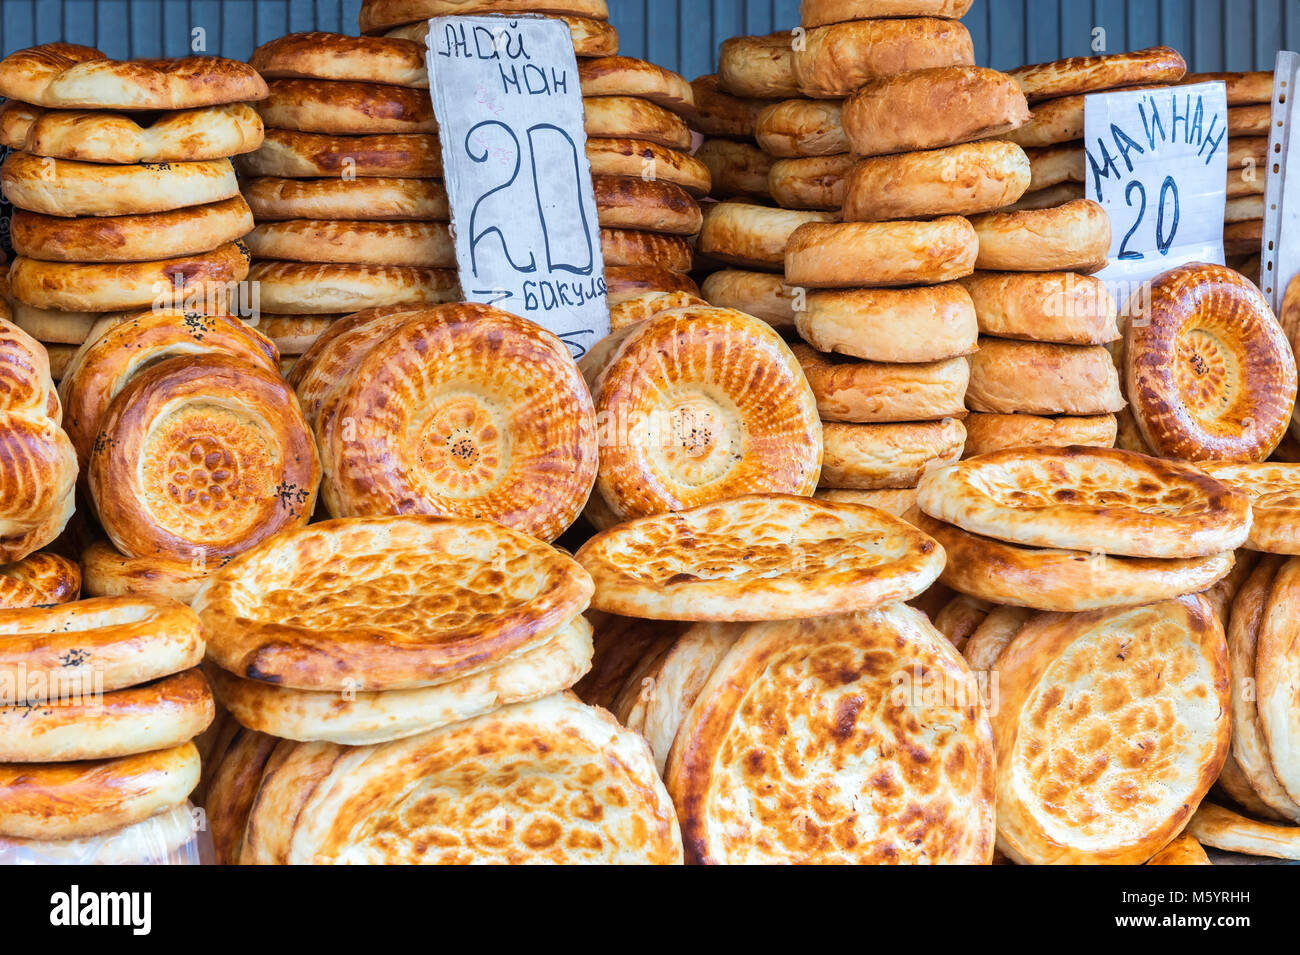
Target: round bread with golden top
point(628, 281)
point(1210, 373)
point(752, 236)
point(387, 603)
point(92, 797)
point(1093, 74)
point(40, 579)
point(761, 294)
point(315, 288)
point(105, 364)
point(158, 715)
point(201, 457)
point(958, 180)
point(758, 67)
point(120, 286)
point(801, 748)
point(551, 781)
point(931, 108)
point(1250, 746)
point(624, 247)
point(287, 153)
point(334, 56)
point(68, 76)
point(1112, 727)
point(426, 245)
point(1074, 237)
point(882, 456)
point(341, 107)
point(648, 305)
point(1090, 499)
point(372, 199)
point(924, 324)
point(987, 432)
point(1011, 377)
point(67, 187)
point(75, 650)
point(873, 392)
point(1244, 89)
point(1274, 491)
point(591, 37)
point(234, 785)
point(132, 238)
point(463, 411)
point(1277, 674)
point(880, 254)
point(190, 135)
point(1065, 580)
point(701, 404)
point(379, 716)
point(810, 182)
point(833, 61)
point(624, 202)
point(815, 13)
point(632, 117)
point(759, 557)
point(638, 157)
point(628, 76)
point(379, 15)
point(109, 573)
point(1060, 307)
point(801, 127)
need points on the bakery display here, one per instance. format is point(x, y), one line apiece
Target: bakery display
point(834, 550)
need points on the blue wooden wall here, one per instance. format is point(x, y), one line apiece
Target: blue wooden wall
point(684, 34)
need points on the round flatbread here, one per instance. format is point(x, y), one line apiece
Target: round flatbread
point(74, 651)
point(68, 76)
point(1277, 676)
point(394, 603)
point(333, 56)
point(1090, 499)
point(1065, 580)
point(822, 741)
point(37, 580)
point(1093, 74)
point(683, 422)
point(566, 784)
point(303, 288)
point(92, 797)
point(370, 199)
point(377, 717)
point(201, 457)
point(1209, 372)
point(156, 715)
point(1112, 727)
point(109, 573)
point(759, 557)
point(495, 422)
point(412, 244)
point(345, 108)
point(871, 457)
point(1274, 491)
point(639, 157)
point(291, 154)
point(232, 791)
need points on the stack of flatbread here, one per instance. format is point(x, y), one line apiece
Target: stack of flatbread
point(104, 699)
point(799, 711)
point(1100, 579)
point(346, 190)
point(124, 192)
point(1250, 116)
point(401, 687)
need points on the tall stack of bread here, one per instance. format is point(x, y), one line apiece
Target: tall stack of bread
point(125, 197)
point(1043, 376)
point(743, 233)
point(346, 190)
point(895, 104)
point(1250, 115)
point(646, 182)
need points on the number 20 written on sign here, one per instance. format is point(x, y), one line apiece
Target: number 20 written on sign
point(516, 212)
point(1168, 212)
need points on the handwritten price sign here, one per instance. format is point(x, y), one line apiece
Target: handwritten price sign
point(1157, 160)
point(509, 107)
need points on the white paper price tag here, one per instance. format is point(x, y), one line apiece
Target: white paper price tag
point(509, 108)
point(1157, 160)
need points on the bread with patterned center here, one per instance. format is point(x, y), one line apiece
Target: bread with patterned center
point(759, 557)
point(1112, 727)
point(824, 741)
point(551, 781)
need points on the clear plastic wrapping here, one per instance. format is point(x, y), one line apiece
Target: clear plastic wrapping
point(168, 838)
